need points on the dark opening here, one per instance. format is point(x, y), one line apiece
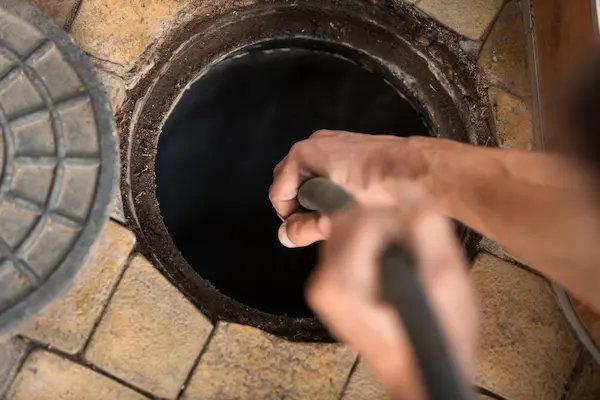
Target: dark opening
point(219, 146)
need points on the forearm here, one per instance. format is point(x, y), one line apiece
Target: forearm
point(543, 209)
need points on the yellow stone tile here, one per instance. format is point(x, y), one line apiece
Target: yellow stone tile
point(58, 10)
point(503, 58)
point(526, 349)
point(117, 212)
point(587, 385)
point(67, 322)
point(364, 386)
point(245, 363)
point(469, 18)
point(120, 30)
point(512, 119)
point(12, 353)
point(114, 87)
point(46, 376)
point(151, 334)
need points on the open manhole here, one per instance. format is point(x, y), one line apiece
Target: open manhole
point(224, 104)
point(219, 145)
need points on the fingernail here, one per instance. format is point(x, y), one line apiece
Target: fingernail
point(284, 238)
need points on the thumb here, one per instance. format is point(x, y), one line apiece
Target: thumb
point(304, 228)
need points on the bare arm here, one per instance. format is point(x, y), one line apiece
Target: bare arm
point(543, 209)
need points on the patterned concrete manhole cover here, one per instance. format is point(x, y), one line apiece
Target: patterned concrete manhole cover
point(58, 160)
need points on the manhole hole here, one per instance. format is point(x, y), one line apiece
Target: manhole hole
point(218, 148)
point(211, 120)
point(58, 160)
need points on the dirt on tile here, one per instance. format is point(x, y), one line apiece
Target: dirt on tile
point(67, 322)
point(504, 58)
point(120, 30)
point(242, 362)
point(470, 18)
point(150, 335)
point(47, 376)
point(526, 349)
point(364, 386)
point(513, 120)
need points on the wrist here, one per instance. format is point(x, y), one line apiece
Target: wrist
point(437, 171)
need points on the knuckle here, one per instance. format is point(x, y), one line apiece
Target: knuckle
point(273, 193)
point(320, 133)
point(297, 149)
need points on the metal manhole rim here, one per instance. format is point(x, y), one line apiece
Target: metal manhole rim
point(106, 176)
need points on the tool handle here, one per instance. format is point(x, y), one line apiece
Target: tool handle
point(401, 288)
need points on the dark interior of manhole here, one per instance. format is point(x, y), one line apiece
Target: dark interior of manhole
point(219, 146)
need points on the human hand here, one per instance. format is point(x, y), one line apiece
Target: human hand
point(370, 167)
point(343, 291)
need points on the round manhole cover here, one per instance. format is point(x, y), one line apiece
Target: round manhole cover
point(58, 160)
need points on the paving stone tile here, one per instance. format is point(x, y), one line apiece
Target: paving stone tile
point(513, 120)
point(117, 213)
point(120, 30)
point(12, 353)
point(114, 87)
point(67, 322)
point(526, 348)
point(151, 334)
point(587, 385)
point(245, 363)
point(58, 10)
point(469, 18)
point(364, 386)
point(503, 58)
point(46, 376)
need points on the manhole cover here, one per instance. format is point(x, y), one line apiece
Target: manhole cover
point(58, 160)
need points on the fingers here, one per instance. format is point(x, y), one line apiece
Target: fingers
point(347, 258)
point(303, 228)
point(343, 290)
point(436, 246)
point(445, 276)
point(304, 160)
point(356, 235)
point(283, 191)
point(343, 293)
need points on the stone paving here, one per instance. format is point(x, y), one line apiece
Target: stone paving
point(123, 331)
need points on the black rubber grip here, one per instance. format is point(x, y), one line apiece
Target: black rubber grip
point(401, 288)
